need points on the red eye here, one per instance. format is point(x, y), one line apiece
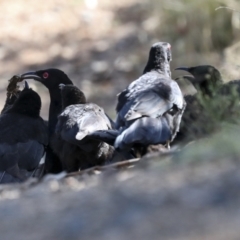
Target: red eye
point(45, 75)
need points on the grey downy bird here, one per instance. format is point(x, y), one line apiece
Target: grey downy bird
point(78, 119)
point(149, 110)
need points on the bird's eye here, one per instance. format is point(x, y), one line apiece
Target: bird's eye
point(45, 75)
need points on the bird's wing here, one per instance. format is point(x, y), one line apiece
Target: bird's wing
point(107, 136)
point(16, 128)
point(148, 103)
point(81, 121)
point(31, 154)
point(6, 177)
point(122, 99)
point(22, 141)
point(144, 131)
point(65, 130)
point(94, 119)
point(151, 97)
point(26, 155)
point(176, 96)
point(140, 84)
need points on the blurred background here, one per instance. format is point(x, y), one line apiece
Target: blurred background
point(103, 44)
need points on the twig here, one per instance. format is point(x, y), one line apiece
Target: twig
point(226, 8)
point(122, 164)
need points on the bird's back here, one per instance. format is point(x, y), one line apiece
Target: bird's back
point(146, 81)
point(151, 95)
point(16, 128)
point(75, 149)
point(22, 141)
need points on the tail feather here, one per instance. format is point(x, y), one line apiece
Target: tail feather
point(107, 136)
point(145, 131)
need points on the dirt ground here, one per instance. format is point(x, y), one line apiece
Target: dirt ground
point(160, 198)
point(103, 45)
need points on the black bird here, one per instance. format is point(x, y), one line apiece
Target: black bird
point(149, 110)
point(23, 137)
point(51, 78)
point(215, 101)
point(76, 121)
point(206, 78)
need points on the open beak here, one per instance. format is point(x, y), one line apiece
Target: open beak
point(26, 85)
point(182, 68)
point(31, 75)
point(187, 77)
point(190, 78)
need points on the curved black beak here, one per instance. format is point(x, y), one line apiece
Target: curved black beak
point(31, 75)
point(187, 77)
point(182, 68)
point(61, 86)
point(26, 85)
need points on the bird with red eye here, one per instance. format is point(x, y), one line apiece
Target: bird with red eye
point(45, 75)
point(51, 78)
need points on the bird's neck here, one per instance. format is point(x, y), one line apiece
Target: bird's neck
point(208, 88)
point(54, 110)
point(162, 67)
point(73, 99)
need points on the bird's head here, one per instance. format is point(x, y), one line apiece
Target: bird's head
point(162, 50)
point(160, 56)
point(51, 77)
point(205, 77)
point(28, 102)
point(71, 95)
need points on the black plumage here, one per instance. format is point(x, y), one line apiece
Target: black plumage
point(23, 137)
point(76, 121)
point(206, 78)
point(149, 110)
point(51, 78)
point(208, 81)
point(214, 102)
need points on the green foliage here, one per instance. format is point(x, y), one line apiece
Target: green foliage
point(222, 107)
point(220, 147)
point(206, 114)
